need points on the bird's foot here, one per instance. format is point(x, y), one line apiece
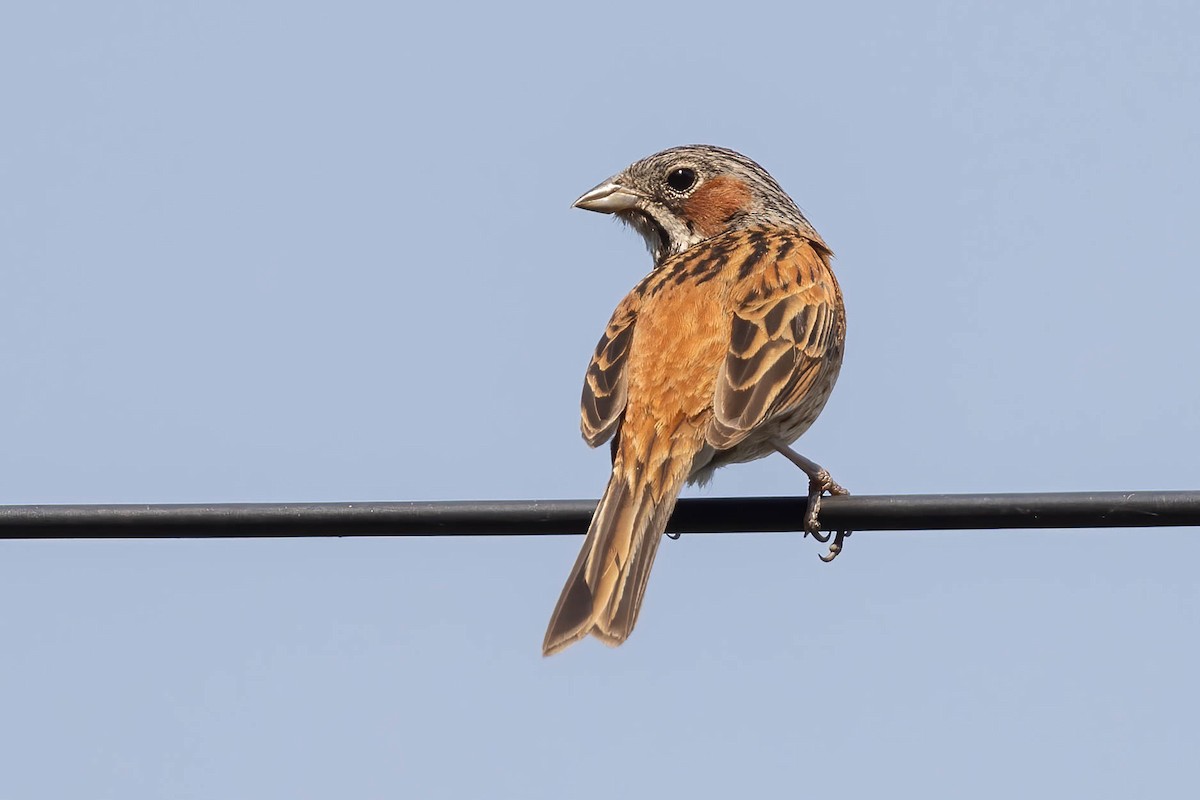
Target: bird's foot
point(818, 485)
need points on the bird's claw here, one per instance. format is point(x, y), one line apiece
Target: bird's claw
point(836, 547)
point(817, 487)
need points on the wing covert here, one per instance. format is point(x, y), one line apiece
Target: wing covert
point(606, 383)
point(787, 326)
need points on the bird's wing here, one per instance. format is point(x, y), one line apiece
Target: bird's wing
point(788, 324)
point(605, 386)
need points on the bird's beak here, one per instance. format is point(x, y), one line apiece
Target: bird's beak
point(609, 197)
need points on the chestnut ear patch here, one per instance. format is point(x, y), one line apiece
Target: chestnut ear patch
point(715, 203)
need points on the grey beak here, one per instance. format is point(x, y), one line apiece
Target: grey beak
point(608, 198)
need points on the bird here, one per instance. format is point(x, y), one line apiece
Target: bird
point(725, 352)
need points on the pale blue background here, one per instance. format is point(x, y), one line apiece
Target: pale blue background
point(293, 251)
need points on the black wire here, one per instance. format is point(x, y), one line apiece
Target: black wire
point(547, 517)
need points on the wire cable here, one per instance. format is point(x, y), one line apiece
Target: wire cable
point(550, 517)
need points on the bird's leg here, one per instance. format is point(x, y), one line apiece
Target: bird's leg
point(819, 482)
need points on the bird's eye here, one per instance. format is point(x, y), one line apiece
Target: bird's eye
point(681, 179)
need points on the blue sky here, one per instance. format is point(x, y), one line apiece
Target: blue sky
point(298, 252)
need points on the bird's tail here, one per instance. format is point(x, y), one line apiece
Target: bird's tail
point(604, 592)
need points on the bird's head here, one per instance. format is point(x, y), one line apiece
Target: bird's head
point(680, 197)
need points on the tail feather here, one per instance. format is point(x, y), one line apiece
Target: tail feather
point(604, 593)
